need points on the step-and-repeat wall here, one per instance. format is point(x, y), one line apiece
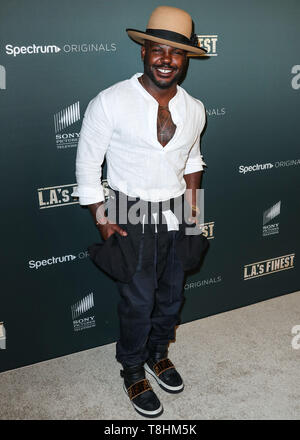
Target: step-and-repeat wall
point(54, 58)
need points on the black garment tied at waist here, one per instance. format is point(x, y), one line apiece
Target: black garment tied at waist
point(118, 255)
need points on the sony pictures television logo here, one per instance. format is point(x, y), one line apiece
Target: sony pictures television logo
point(69, 116)
point(268, 216)
point(80, 308)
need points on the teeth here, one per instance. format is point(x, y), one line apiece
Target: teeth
point(165, 70)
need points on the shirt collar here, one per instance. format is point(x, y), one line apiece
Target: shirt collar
point(138, 86)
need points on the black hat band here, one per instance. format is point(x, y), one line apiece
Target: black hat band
point(172, 36)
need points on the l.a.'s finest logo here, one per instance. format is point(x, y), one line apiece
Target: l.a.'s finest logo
point(54, 196)
point(267, 267)
point(208, 42)
point(62, 120)
point(208, 229)
point(2, 78)
point(270, 214)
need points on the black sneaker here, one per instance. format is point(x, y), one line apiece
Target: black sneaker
point(163, 370)
point(140, 392)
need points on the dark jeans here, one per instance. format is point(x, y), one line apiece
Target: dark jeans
point(150, 304)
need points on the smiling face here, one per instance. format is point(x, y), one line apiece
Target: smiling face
point(163, 64)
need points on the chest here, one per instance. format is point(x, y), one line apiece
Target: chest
point(142, 127)
point(165, 126)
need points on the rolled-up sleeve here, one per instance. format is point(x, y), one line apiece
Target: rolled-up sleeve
point(195, 160)
point(94, 139)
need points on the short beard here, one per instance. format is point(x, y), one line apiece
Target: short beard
point(160, 85)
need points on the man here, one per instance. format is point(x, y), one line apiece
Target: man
point(149, 129)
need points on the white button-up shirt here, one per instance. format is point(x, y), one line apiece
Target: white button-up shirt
point(121, 124)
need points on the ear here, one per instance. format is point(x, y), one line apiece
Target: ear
point(143, 51)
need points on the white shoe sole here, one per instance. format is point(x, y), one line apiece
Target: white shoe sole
point(163, 385)
point(144, 412)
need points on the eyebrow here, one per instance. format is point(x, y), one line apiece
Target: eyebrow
point(160, 46)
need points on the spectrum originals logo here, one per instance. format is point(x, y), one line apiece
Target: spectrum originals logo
point(50, 261)
point(244, 169)
point(36, 49)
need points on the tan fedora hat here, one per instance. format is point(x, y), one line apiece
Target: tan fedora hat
point(171, 26)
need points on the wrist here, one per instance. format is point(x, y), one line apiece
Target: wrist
point(101, 221)
point(195, 208)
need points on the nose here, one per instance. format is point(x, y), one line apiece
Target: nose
point(166, 57)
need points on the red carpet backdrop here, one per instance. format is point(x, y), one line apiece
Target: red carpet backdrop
point(54, 58)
